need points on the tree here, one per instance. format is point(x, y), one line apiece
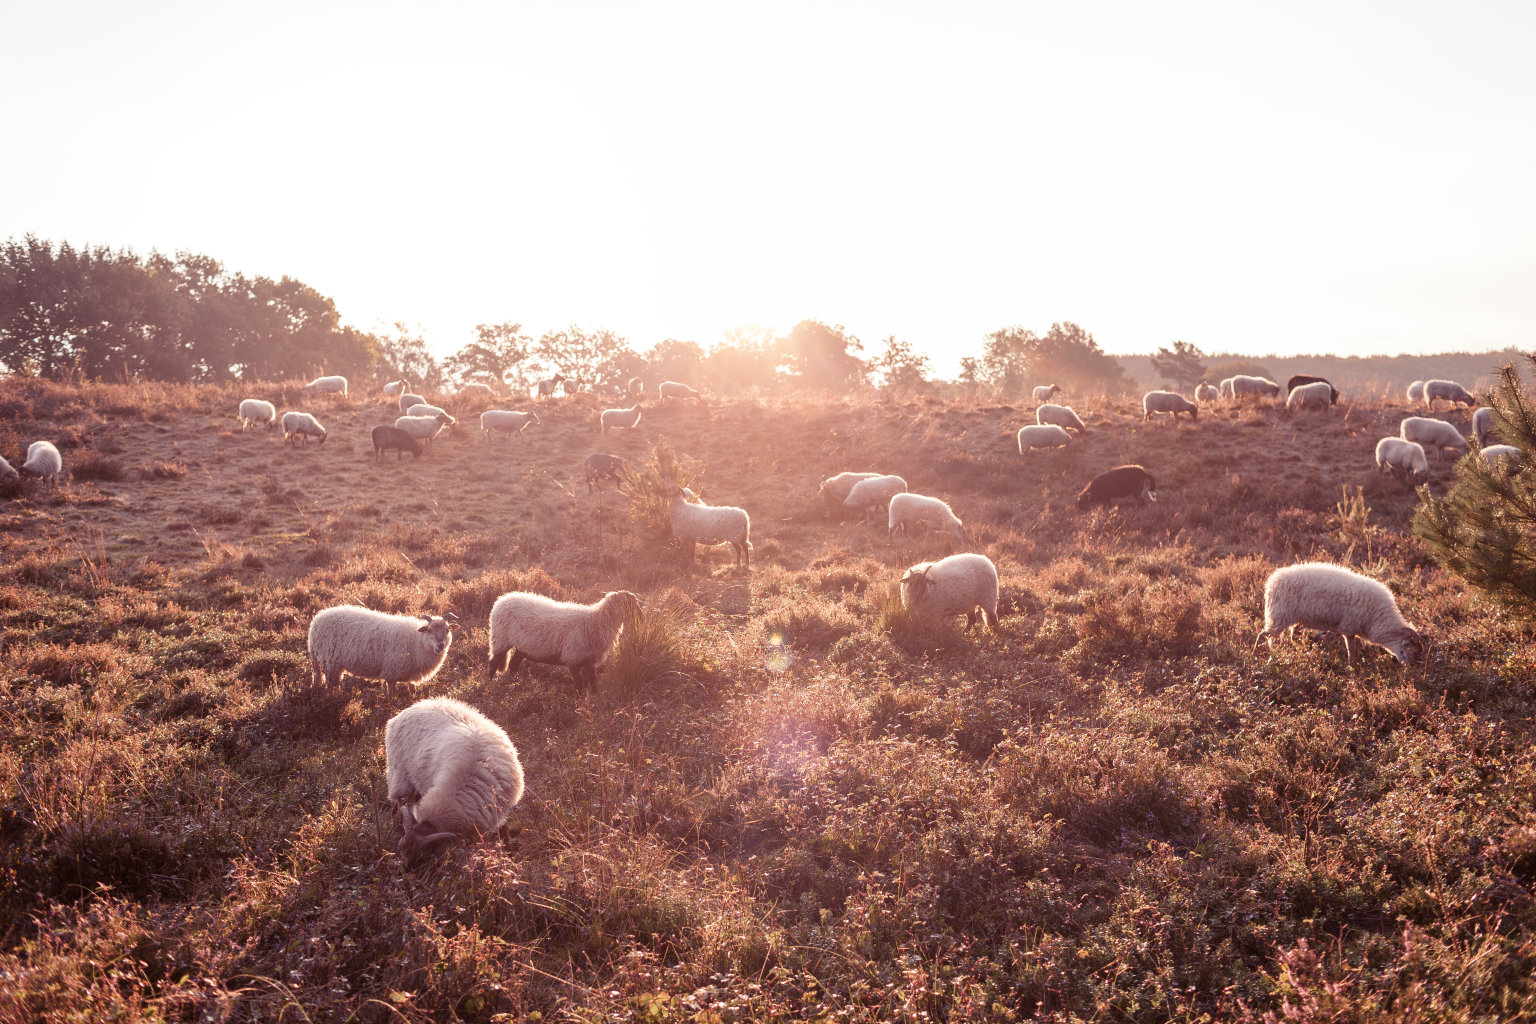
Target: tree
point(1005, 359)
point(746, 358)
point(405, 357)
point(1180, 364)
point(1066, 354)
point(586, 355)
point(901, 369)
point(498, 350)
point(822, 355)
point(675, 360)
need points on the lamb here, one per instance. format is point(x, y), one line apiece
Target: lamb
point(672, 389)
point(834, 489)
point(960, 584)
point(1482, 424)
point(1416, 392)
point(506, 421)
point(301, 425)
point(876, 490)
point(532, 627)
point(423, 409)
point(452, 772)
point(409, 399)
point(1120, 482)
point(711, 524)
point(1045, 392)
point(546, 388)
point(1447, 390)
point(627, 418)
point(1042, 435)
point(1318, 595)
point(1243, 384)
point(602, 466)
point(907, 511)
point(1206, 392)
point(424, 428)
point(1318, 393)
point(1432, 433)
point(254, 411)
point(369, 644)
point(386, 437)
point(1167, 401)
point(336, 385)
point(1062, 416)
point(1403, 459)
point(396, 388)
point(1300, 379)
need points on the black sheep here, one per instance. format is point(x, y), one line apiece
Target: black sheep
point(386, 437)
point(1304, 378)
point(1120, 482)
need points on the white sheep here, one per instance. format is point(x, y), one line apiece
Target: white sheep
point(474, 390)
point(636, 387)
point(1045, 392)
point(546, 388)
point(1446, 390)
point(1206, 392)
point(1404, 459)
point(1060, 415)
point(532, 627)
point(710, 524)
point(627, 418)
point(1243, 384)
point(1318, 394)
point(1154, 402)
point(1432, 433)
point(9, 478)
point(424, 428)
point(1317, 595)
point(408, 399)
point(1416, 391)
point(1482, 424)
point(43, 461)
point(370, 644)
point(963, 584)
point(301, 425)
point(1225, 388)
point(424, 409)
point(1041, 435)
point(909, 511)
point(396, 388)
point(334, 385)
point(672, 389)
point(506, 420)
point(834, 489)
point(452, 772)
point(875, 490)
point(254, 411)
point(1494, 452)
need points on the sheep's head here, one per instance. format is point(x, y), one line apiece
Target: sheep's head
point(1408, 646)
point(915, 584)
point(628, 604)
point(421, 841)
point(439, 631)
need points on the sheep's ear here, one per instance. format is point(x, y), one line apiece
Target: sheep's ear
point(426, 624)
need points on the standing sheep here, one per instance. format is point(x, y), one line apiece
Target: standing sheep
point(1482, 424)
point(1120, 482)
point(1041, 435)
point(1434, 433)
point(1061, 416)
point(476, 390)
point(1166, 401)
point(386, 438)
point(546, 388)
point(1317, 595)
point(1244, 385)
point(506, 421)
point(711, 524)
point(532, 627)
point(9, 478)
point(875, 490)
point(1318, 394)
point(409, 399)
point(254, 411)
point(602, 466)
point(1508, 453)
point(43, 461)
point(424, 428)
point(1206, 392)
point(423, 409)
point(335, 385)
point(396, 388)
point(908, 511)
point(1402, 459)
point(963, 584)
point(834, 489)
point(1045, 392)
point(1297, 380)
point(1416, 392)
point(1447, 391)
point(377, 645)
point(301, 425)
point(672, 389)
point(1226, 389)
point(635, 388)
point(626, 418)
point(452, 772)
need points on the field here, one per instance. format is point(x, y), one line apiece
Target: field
point(786, 798)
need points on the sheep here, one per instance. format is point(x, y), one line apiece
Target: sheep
point(1167, 401)
point(876, 490)
point(254, 411)
point(1243, 385)
point(546, 388)
point(10, 480)
point(424, 428)
point(43, 461)
point(532, 627)
point(1448, 390)
point(386, 437)
point(1403, 459)
point(1416, 392)
point(1432, 433)
point(423, 409)
point(1297, 380)
point(1319, 393)
point(672, 389)
point(627, 418)
point(1206, 392)
point(301, 425)
point(1041, 435)
point(377, 645)
point(711, 524)
point(472, 391)
point(506, 421)
point(1120, 482)
point(336, 385)
point(908, 510)
point(1062, 416)
point(1494, 452)
point(635, 388)
point(602, 466)
point(452, 772)
point(834, 489)
point(1318, 595)
point(408, 399)
point(396, 388)
point(960, 584)
point(1045, 392)
point(1482, 424)
point(1225, 388)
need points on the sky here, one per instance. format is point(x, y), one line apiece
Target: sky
point(1341, 177)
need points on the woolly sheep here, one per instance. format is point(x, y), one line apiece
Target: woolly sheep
point(1060, 415)
point(475, 390)
point(1225, 388)
point(1166, 401)
point(424, 428)
point(1243, 384)
point(336, 385)
point(546, 387)
point(452, 772)
point(396, 388)
point(1416, 391)
point(505, 420)
point(602, 466)
point(1319, 394)
point(711, 524)
point(875, 490)
point(43, 461)
point(254, 411)
point(532, 627)
point(627, 418)
point(1206, 392)
point(1042, 435)
point(1482, 424)
point(834, 489)
point(1046, 392)
point(1297, 380)
point(1317, 595)
point(386, 437)
point(409, 399)
point(635, 387)
point(423, 409)
point(907, 511)
point(1120, 482)
point(963, 584)
point(9, 478)
point(1446, 390)
point(1402, 459)
point(1432, 433)
point(1496, 452)
point(377, 645)
point(301, 425)
point(672, 389)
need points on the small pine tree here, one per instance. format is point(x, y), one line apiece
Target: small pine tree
point(1181, 364)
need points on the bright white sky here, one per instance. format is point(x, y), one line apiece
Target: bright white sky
point(1264, 178)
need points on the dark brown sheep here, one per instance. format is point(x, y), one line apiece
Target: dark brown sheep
point(1120, 482)
point(386, 437)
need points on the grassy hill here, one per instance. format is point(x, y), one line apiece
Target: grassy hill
point(786, 799)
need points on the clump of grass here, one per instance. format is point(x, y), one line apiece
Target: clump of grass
point(173, 470)
point(657, 652)
point(1129, 625)
point(648, 488)
point(94, 465)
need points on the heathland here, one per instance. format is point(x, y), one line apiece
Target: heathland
point(785, 798)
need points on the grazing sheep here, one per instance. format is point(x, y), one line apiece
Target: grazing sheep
point(1318, 595)
point(1060, 415)
point(1206, 392)
point(627, 418)
point(963, 584)
point(711, 524)
point(1041, 435)
point(875, 490)
point(1416, 391)
point(301, 425)
point(396, 388)
point(423, 409)
point(409, 399)
point(1402, 459)
point(834, 489)
point(1300, 379)
point(1166, 401)
point(1432, 433)
point(424, 428)
point(254, 411)
point(908, 511)
point(1494, 452)
point(377, 645)
point(386, 437)
point(1482, 424)
point(546, 388)
point(1447, 390)
point(602, 466)
point(1120, 482)
point(672, 389)
point(532, 627)
point(452, 772)
point(1046, 392)
point(1319, 394)
point(472, 391)
point(1225, 388)
point(1243, 385)
point(43, 461)
point(336, 385)
point(9, 478)
point(506, 421)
